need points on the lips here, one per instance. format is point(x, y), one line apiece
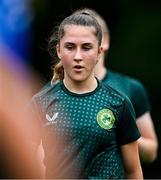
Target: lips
point(78, 67)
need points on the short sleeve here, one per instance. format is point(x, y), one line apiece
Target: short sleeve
point(127, 130)
point(140, 99)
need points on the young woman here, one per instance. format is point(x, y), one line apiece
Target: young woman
point(89, 129)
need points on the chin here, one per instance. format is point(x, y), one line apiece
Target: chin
point(78, 80)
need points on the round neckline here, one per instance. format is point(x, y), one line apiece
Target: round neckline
point(80, 95)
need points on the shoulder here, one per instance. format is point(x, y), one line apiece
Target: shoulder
point(127, 80)
point(117, 96)
point(46, 92)
point(112, 92)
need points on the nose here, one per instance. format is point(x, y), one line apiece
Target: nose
point(78, 56)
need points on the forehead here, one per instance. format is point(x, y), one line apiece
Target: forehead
point(74, 33)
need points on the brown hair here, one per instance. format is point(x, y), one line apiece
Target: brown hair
point(98, 17)
point(83, 19)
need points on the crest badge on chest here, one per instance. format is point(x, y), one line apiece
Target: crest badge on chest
point(106, 118)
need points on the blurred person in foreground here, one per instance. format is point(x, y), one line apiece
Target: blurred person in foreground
point(134, 90)
point(16, 17)
point(17, 82)
point(16, 153)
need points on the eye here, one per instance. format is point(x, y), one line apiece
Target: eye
point(87, 47)
point(69, 46)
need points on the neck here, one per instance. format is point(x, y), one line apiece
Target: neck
point(100, 69)
point(81, 87)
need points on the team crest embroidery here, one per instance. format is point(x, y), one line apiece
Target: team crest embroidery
point(105, 118)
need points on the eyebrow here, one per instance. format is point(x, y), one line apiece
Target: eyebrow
point(71, 43)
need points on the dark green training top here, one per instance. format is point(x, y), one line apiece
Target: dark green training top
point(82, 133)
point(130, 87)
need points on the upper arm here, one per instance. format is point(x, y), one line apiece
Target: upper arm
point(146, 127)
point(131, 161)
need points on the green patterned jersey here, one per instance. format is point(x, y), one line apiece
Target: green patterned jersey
point(82, 133)
point(130, 87)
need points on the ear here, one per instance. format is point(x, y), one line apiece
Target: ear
point(58, 51)
point(100, 51)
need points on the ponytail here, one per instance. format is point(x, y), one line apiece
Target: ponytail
point(58, 72)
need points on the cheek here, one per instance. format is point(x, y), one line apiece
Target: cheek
point(66, 60)
point(92, 59)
